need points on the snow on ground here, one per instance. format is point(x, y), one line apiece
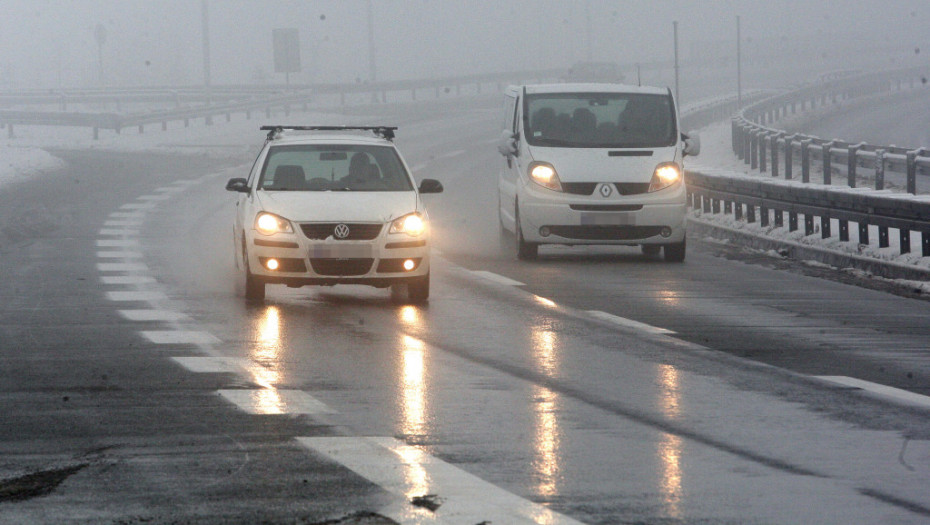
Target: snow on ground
point(717, 157)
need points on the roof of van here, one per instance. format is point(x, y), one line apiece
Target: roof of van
point(588, 88)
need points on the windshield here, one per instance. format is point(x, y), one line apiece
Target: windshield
point(333, 168)
point(600, 120)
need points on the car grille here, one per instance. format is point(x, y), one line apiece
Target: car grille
point(605, 233)
point(587, 188)
point(357, 231)
point(341, 267)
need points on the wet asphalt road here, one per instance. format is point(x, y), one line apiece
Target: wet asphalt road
point(151, 393)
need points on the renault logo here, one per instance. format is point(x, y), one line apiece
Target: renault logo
point(606, 190)
point(341, 231)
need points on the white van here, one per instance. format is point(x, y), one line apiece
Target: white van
point(593, 164)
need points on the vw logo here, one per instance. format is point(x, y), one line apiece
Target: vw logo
point(341, 231)
point(606, 190)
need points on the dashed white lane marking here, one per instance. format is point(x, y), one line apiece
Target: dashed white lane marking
point(887, 392)
point(273, 401)
point(407, 472)
point(176, 337)
point(117, 243)
point(119, 255)
point(113, 223)
point(150, 198)
point(127, 279)
point(118, 232)
point(122, 267)
point(134, 295)
point(205, 365)
point(127, 215)
point(629, 323)
point(153, 315)
point(500, 279)
point(137, 206)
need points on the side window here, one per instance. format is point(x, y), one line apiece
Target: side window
point(510, 116)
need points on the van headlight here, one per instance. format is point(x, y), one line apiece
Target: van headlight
point(544, 174)
point(412, 224)
point(270, 224)
point(665, 175)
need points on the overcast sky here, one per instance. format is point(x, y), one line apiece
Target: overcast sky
point(47, 43)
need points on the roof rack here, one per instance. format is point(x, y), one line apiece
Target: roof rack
point(385, 132)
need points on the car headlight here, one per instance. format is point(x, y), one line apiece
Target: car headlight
point(412, 224)
point(544, 174)
point(270, 224)
point(665, 175)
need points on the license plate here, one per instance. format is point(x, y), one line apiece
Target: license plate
point(340, 251)
point(608, 219)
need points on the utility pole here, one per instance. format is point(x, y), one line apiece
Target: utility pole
point(739, 66)
point(675, 29)
point(372, 70)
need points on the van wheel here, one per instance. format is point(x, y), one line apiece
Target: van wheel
point(675, 252)
point(525, 250)
point(651, 250)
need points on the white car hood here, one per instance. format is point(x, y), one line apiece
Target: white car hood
point(598, 165)
point(338, 206)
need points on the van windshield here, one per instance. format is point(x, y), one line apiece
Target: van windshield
point(600, 120)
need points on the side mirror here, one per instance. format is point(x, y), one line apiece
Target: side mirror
point(692, 144)
point(507, 144)
point(430, 186)
point(238, 184)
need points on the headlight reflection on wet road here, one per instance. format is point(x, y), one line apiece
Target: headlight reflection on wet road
point(670, 446)
point(266, 353)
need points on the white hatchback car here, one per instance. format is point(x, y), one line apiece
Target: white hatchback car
point(323, 208)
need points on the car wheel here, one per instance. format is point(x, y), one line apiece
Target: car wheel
point(651, 250)
point(675, 252)
point(525, 250)
point(418, 290)
point(254, 286)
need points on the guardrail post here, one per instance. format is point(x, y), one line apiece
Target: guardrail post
point(792, 221)
point(164, 125)
point(747, 146)
point(883, 241)
point(734, 135)
point(141, 128)
point(775, 139)
point(912, 172)
point(763, 139)
point(753, 150)
point(738, 210)
point(789, 153)
point(827, 156)
point(844, 230)
point(808, 224)
point(806, 161)
point(779, 218)
point(851, 163)
point(825, 227)
point(879, 169)
point(925, 243)
point(864, 233)
point(905, 238)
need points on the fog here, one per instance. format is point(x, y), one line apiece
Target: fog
point(54, 43)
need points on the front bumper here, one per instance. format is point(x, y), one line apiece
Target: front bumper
point(549, 217)
point(304, 261)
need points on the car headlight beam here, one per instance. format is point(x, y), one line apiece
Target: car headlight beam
point(545, 175)
point(412, 224)
point(665, 175)
point(270, 224)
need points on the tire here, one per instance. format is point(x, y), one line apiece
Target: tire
point(254, 286)
point(525, 250)
point(675, 252)
point(415, 291)
point(651, 250)
point(418, 290)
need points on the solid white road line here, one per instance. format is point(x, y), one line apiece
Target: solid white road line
point(176, 337)
point(408, 472)
point(628, 323)
point(153, 315)
point(272, 401)
point(136, 296)
point(500, 279)
point(887, 392)
point(203, 365)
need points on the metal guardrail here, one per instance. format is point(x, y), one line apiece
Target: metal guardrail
point(766, 148)
point(768, 200)
point(222, 100)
